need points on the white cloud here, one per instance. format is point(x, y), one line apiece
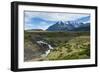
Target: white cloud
point(42, 25)
point(48, 16)
point(54, 16)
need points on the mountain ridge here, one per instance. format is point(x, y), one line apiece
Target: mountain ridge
point(79, 25)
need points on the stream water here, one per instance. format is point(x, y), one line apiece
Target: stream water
point(45, 43)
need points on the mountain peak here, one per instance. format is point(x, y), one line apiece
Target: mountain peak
point(77, 25)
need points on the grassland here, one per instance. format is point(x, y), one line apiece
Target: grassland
point(67, 45)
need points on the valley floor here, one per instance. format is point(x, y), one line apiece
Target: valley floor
point(66, 46)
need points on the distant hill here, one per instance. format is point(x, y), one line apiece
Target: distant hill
point(85, 28)
point(35, 30)
point(82, 24)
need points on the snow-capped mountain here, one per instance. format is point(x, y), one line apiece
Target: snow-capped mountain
point(82, 24)
point(60, 26)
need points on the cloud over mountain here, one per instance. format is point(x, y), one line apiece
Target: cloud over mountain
point(43, 20)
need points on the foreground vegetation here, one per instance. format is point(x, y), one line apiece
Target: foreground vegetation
point(67, 45)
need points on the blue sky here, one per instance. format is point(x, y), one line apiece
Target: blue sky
point(42, 20)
